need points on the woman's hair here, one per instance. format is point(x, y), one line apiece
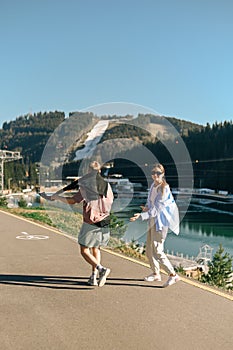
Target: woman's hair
point(95, 165)
point(164, 182)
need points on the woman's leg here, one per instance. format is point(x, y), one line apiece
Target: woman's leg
point(158, 249)
point(154, 264)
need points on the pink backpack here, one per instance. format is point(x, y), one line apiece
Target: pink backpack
point(100, 208)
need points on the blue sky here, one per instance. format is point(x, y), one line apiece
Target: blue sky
point(172, 56)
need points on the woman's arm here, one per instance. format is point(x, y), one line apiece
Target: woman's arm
point(159, 204)
point(135, 217)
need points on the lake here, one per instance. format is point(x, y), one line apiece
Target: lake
point(201, 225)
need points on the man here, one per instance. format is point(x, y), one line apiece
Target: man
point(95, 193)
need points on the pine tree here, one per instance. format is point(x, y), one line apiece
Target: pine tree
point(220, 269)
point(117, 226)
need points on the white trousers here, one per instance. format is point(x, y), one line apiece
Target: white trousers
point(155, 250)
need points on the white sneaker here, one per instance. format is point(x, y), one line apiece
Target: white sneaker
point(171, 280)
point(92, 281)
point(103, 274)
point(152, 278)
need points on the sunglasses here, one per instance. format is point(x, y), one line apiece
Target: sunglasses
point(158, 173)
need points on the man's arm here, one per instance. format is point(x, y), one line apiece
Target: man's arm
point(76, 198)
point(72, 186)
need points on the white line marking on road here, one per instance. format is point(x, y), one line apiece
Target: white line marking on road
point(31, 237)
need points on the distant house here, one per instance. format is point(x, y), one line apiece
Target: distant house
point(196, 271)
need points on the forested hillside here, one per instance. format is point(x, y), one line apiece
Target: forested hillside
point(29, 133)
point(148, 127)
point(210, 147)
point(212, 152)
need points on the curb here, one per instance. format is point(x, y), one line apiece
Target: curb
point(183, 279)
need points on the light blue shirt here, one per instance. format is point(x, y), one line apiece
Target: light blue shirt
point(162, 207)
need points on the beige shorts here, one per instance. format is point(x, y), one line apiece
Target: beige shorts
point(93, 236)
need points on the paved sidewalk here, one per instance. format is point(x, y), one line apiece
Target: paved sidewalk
point(45, 302)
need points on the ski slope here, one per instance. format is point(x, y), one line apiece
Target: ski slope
point(94, 136)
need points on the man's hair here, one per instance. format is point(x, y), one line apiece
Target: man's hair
point(95, 165)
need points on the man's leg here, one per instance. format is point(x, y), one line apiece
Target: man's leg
point(86, 254)
point(96, 253)
point(91, 259)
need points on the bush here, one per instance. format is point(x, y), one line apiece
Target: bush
point(22, 203)
point(3, 201)
point(117, 226)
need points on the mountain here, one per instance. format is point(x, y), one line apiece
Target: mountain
point(28, 134)
point(50, 133)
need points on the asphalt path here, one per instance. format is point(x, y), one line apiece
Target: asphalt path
point(45, 302)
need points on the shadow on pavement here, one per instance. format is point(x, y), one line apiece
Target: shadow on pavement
point(131, 282)
point(68, 282)
point(56, 282)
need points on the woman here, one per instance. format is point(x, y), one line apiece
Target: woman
point(162, 213)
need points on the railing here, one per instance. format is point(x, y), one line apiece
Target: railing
point(181, 255)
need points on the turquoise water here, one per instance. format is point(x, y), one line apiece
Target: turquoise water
point(201, 225)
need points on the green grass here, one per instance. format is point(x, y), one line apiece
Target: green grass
point(65, 221)
point(41, 217)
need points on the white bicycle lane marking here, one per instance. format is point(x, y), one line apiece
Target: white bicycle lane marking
point(27, 236)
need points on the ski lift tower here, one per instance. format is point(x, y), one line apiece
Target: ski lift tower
point(6, 156)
